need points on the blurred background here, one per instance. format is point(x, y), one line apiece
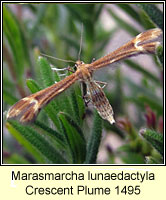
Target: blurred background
point(67, 131)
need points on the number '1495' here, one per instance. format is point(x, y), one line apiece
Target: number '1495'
point(128, 190)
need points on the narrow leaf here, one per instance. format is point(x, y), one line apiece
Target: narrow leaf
point(152, 160)
point(16, 159)
point(45, 72)
point(9, 98)
point(154, 138)
point(132, 158)
point(140, 69)
point(123, 24)
point(157, 106)
point(55, 135)
point(160, 54)
point(154, 13)
point(130, 11)
point(94, 140)
point(34, 143)
point(74, 138)
point(12, 32)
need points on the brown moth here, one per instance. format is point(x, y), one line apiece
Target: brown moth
point(28, 108)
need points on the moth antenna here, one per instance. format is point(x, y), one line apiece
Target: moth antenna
point(56, 58)
point(79, 54)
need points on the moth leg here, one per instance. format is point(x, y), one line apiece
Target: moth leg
point(69, 69)
point(93, 60)
point(86, 99)
point(104, 84)
point(85, 94)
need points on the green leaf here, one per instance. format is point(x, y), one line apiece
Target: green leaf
point(154, 13)
point(94, 140)
point(16, 159)
point(132, 158)
point(118, 94)
point(102, 39)
point(9, 98)
point(13, 34)
point(130, 11)
point(139, 90)
point(144, 72)
point(125, 148)
point(70, 41)
point(37, 145)
point(157, 106)
point(32, 85)
point(75, 107)
point(74, 138)
point(50, 132)
point(74, 11)
point(98, 11)
point(77, 104)
point(54, 137)
point(146, 21)
point(40, 14)
point(154, 138)
point(45, 72)
point(160, 54)
point(152, 160)
point(80, 102)
point(130, 29)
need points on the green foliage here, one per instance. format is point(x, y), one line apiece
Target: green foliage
point(142, 71)
point(74, 138)
point(131, 11)
point(94, 141)
point(66, 131)
point(41, 148)
point(122, 23)
point(160, 54)
point(154, 138)
point(133, 158)
point(157, 106)
point(13, 36)
point(154, 14)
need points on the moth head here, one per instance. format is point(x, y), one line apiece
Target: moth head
point(78, 62)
